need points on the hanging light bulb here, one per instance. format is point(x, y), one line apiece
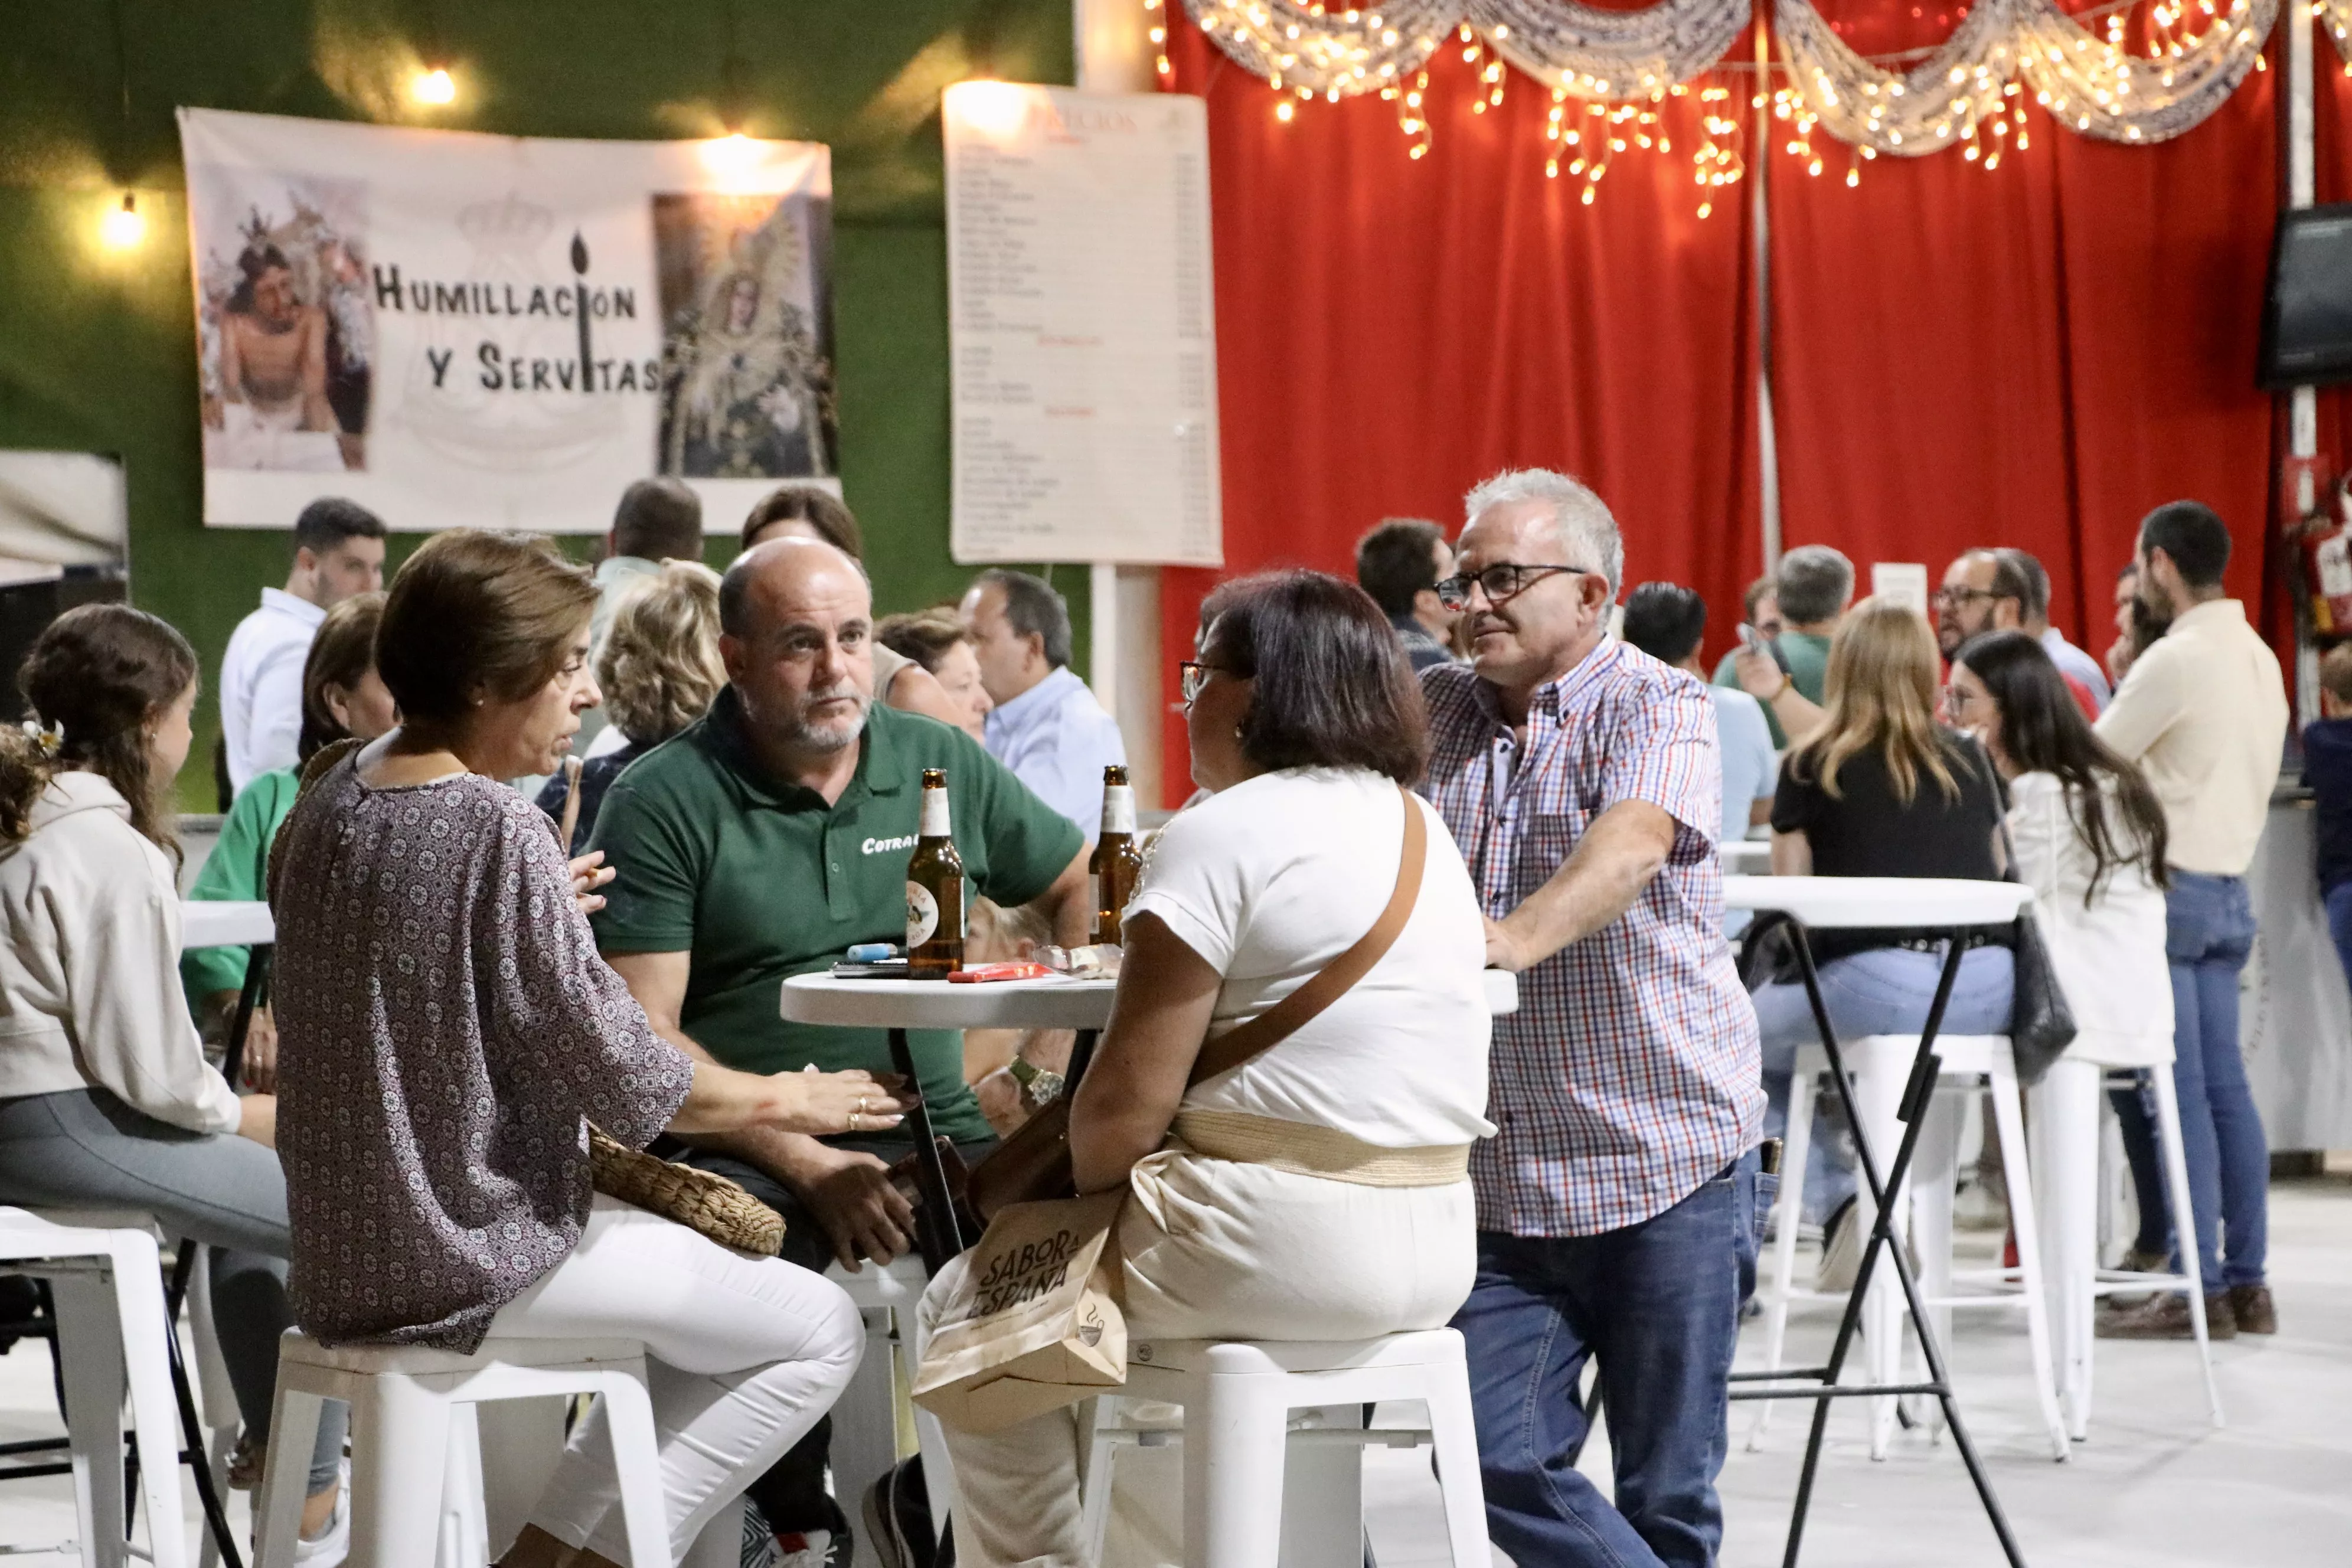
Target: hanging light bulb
point(124, 227)
point(435, 86)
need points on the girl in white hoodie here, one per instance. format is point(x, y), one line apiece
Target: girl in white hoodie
point(106, 1100)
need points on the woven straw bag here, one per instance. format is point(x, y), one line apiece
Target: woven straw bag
point(699, 1200)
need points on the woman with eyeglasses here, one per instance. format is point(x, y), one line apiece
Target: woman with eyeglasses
point(1320, 1190)
point(1882, 790)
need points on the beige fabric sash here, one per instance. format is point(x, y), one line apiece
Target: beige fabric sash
point(1305, 1149)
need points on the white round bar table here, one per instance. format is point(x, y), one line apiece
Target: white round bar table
point(1936, 908)
point(898, 1006)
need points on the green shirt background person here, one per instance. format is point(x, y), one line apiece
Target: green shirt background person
point(774, 833)
point(1808, 654)
point(341, 698)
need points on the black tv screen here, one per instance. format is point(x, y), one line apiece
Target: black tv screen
point(2307, 315)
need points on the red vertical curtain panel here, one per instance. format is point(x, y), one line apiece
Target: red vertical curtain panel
point(2033, 356)
point(1392, 330)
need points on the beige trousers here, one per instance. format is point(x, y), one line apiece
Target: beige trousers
point(1214, 1249)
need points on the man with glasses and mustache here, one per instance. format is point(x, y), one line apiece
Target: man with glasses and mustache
point(758, 844)
point(1617, 1206)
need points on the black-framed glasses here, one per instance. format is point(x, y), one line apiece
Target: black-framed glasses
point(1504, 580)
point(1192, 674)
point(1954, 597)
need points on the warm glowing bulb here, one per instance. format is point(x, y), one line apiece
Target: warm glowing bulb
point(123, 228)
point(996, 110)
point(1283, 111)
point(434, 86)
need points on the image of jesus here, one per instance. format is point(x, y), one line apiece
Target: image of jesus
point(274, 348)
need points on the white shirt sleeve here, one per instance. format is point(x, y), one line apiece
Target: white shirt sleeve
point(2039, 827)
point(1199, 887)
point(2144, 705)
point(122, 959)
point(274, 723)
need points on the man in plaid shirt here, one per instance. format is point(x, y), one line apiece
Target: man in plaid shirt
point(1617, 1204)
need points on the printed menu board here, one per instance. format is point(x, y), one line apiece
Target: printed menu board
point(1082, 326)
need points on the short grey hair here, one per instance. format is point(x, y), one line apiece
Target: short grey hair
point(1032, 607)
point(1815, 583)
point(1579, 518)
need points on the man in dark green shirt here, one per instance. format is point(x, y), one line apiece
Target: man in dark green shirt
point(1812, 586)
point(770, 835)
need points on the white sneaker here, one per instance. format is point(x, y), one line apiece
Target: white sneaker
point(328, 1550)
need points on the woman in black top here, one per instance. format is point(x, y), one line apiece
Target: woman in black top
point(1883, 790)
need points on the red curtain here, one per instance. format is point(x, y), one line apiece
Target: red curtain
point(1391, 331)
point(2035, 355)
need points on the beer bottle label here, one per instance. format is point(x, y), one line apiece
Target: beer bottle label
point(934, 824)
point(1119, 808)
point(922, 915)
point(1094, 890)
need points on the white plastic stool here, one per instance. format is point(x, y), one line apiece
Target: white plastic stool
point(865, 1418)
point(1881, 1065)
point(105, 1279)
point(1237, 1400)
point(2067, 1108)
point(216, 1394)
point(407, 1401)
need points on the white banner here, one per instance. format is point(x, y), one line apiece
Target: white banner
point(455, 328)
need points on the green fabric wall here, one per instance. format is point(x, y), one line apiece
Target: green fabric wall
point(97, 350)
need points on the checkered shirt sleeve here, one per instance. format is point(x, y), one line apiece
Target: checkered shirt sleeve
point(1630, 1074)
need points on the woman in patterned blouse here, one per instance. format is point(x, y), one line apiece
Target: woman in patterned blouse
point(448, 1031)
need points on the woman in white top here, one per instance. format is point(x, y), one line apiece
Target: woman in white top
point(106, 1100)
point(2089, 839)
point(1252, 1213)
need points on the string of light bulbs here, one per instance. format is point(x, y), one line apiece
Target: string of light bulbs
point(2105, 82)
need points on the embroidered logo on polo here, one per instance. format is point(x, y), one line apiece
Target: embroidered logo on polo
point(885, 845)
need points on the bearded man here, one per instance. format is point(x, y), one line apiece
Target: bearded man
point(762, 841)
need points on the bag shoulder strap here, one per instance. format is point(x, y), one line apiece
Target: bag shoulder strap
point(1329, 984)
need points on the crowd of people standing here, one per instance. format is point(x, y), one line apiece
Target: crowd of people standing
point(456, 991)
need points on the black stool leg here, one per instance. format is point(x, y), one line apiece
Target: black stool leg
point(192, 1430)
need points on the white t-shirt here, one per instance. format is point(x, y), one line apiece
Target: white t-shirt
point(1270, 881)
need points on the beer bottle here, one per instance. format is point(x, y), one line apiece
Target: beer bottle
point(934, 888)
point(1111, 874)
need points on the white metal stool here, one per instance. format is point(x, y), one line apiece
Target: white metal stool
point(407, 1403)
point(2068, 1105)
point(106, 1277)
point(1237, 1400)
point(1881, 1065)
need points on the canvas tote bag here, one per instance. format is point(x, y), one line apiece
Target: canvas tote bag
point(1034, 1323)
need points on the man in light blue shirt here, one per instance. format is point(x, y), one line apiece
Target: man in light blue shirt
point(1667, 621)
point(1046, 726)
point(2069, 659)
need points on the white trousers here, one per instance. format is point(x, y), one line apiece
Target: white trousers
point(1215, 1249)
point(742, 1356)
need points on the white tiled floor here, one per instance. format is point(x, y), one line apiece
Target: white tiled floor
point(2155, 1487)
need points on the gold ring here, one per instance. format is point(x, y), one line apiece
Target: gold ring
point(852, 1122)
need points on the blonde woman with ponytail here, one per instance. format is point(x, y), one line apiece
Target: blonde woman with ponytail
point(106, 1100)
point(1880, 790)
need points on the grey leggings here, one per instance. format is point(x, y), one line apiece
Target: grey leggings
point(87, 1149)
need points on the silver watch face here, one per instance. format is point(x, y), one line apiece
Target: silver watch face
point(1044, 1087)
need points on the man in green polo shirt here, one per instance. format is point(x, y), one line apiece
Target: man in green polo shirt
point(1814, 583)
point(770, 835)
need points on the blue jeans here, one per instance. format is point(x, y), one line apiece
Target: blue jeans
point(1658, 1302)
point(1886, 991)
point(2209, 932)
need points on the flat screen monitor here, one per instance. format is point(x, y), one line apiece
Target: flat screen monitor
point(2307, 315)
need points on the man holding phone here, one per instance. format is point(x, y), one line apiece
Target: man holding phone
point(1790, 674)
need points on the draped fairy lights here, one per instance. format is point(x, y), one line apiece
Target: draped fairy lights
point(2335, 15)
point(2100, 86)
point(2113, 80)
point(1610, 54)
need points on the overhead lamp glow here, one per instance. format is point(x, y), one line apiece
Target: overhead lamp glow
point(732, 154)
point(992, 109)
point(124, 227)
point(434, 87)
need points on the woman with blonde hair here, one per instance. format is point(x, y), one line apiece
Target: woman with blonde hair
point(659, 671)
point(1880, 790)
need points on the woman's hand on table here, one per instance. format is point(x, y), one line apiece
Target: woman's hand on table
point(828, 1104)
point(589, 873)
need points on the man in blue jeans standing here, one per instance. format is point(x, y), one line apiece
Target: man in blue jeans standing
point(1617, 1204)
point(2204, 713)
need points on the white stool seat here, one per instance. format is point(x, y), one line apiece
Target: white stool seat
point(107, 1283)
point(1881, 1066)
point(416, 1484)
point(1238, 1398)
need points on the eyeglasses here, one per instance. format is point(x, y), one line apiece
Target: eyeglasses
point(1502, 581)
point(1953, 599)
point(1191, 675)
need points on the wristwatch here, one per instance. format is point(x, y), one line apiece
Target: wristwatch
point(1039, 1086)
